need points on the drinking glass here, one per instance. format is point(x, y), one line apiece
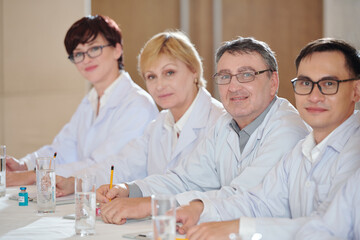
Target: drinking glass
point(2, 170)
point(85, 204)
point(163, 217)
point(45, 184)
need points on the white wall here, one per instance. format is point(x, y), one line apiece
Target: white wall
point(341, 20)
point(40, 87)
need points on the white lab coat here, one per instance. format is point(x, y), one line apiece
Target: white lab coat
point(342, 218)
point(152, 153)
point(124, 117)
point(294, 189)
point(217, 160)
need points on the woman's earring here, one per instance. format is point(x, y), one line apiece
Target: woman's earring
point(195, 80)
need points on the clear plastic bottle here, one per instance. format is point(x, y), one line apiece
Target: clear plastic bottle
point(23, 197)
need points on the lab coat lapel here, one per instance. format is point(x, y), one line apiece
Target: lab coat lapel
point(85, 128)
point(185, 139)
point(197, 120)
point(233, 142)
point(257, 135)
point(252, 143)
point(165, 143)
point(117, 95)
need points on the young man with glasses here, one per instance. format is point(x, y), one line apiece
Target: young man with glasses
point(115, 111)
point(242, 147)
point(306, 179)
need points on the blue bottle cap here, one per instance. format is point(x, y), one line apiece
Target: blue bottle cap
point(22, 188)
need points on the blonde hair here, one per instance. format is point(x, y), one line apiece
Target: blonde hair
point(174, 44)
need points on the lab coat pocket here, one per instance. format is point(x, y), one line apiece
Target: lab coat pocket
point(322, 193)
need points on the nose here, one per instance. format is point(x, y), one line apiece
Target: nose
point(316, 95)
point(159, 83)
point(234, 84)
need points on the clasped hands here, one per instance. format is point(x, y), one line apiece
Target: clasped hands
point(121, 207)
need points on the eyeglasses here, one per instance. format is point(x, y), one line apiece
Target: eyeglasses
point(242, 77)
point(304, 86)
point(92, 52)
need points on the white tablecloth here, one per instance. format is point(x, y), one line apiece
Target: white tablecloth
point(23, 222)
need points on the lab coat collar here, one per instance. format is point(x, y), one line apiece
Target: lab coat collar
point(118, 94)
point(342, 132)
point(188, 135)
point(259, 131)
point(121, 90)
point(231, 139)
point(346, 129)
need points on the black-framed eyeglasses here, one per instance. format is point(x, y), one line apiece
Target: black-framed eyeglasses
point(304, 86)
point(92, 52)
point(242, 77)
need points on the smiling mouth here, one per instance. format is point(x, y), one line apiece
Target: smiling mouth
point(240, 98)
point(315, 110)
point(88, 69)
point(165, 95)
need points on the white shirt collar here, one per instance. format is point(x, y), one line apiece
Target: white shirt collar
point(93, 95)
point(177, 127)
point(311, 150)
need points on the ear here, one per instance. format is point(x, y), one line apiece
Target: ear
point(356, 90)
point(274, 85)
point(194, 72)
point(118, 51)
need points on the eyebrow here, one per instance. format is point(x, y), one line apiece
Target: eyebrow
point(90, 44)
point(169, 65)
point(245, 68)
point(323, 78)
point(239, 70)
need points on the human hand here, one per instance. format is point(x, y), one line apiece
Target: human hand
point(12, 164)
point(213, 230)
point(20, 178)
point(104, 194)
point(64, 186)
point(189, 215)
point(119, 209)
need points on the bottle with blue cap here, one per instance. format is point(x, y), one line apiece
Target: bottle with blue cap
point(23, 197)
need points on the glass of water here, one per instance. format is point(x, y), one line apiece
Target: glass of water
point(163, 217)
point(45, 184)
point(85, 204)
point(2, 170)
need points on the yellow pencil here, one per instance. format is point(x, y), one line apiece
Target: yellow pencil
point(111, 177)
point(51, 159)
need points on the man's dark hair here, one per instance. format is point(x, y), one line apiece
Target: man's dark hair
point(352, 56)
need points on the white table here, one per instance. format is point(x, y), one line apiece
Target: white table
point(23, 222)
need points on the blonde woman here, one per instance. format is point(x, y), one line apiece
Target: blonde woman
point(172, 70)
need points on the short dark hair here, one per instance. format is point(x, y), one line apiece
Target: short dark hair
point(87, 29)
point(248, 45)
point(352, 56)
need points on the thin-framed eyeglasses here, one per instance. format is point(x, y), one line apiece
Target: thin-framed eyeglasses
point(242, 77)
point(304, 86)
point(92, 52)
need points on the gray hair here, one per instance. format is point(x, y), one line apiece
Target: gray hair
point(249, 45)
